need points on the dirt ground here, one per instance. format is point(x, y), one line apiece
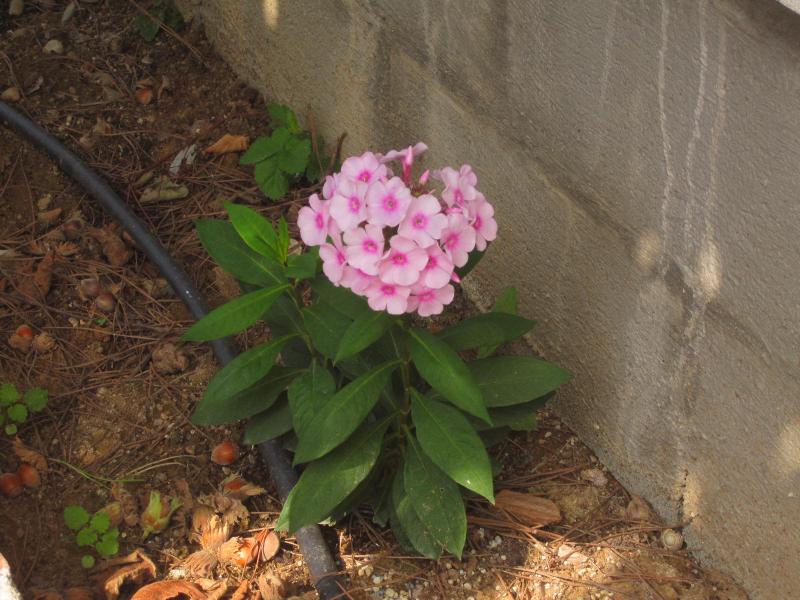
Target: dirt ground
point(122, 386)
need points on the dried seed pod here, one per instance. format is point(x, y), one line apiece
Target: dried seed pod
point(637, 509)
point(29, 476)
point(225, 453)
point(237, 551)
point(10, 485)
point(201, 517)
point(21, 339)
point(114, 512)
point(105, 302)
point(214, 534)
point(73, 228)
point(43, 342)
point(671, 539)
point(89, 289)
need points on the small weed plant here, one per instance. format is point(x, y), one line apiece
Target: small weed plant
point(93, 531)
point(380, 407)
point(15, 407)
point(163, 11)
point(287, 155)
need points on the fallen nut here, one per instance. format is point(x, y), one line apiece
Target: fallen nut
point(671, 539)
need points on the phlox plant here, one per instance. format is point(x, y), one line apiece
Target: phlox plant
point(381, 409)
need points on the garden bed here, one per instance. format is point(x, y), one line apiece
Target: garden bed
point(122, 386)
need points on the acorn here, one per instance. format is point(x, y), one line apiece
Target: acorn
point(225, 453)
point(89, 288)
point(24, 331)
point(29, 475)
point(671, 539)
point(10, 485)
point(105, 302)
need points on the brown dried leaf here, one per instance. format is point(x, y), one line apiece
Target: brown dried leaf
point(528, 509)
point(228, 143)
point(38, 285)
point(241, 591)
point(43, 342)
point(135, 568)
point(31, 457)
point(114, 248)
point(78, 593)
point(163, 188)
point(128, 504)
point(271, 587)
point(169, 590)
point(215, 589)
point(235, 486)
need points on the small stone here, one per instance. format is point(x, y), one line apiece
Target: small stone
point(53, 47)
point(68, 12)
point(15, 7)
point(11, 94)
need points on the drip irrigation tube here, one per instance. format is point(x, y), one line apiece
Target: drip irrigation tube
point(312, 545)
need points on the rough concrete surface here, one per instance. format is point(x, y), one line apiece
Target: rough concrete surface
point(644, 161)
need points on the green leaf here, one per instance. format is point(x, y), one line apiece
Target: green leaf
point(231, 253)
point(8, 394)
point(342, 299)
point(76, 517)
point(253, 400)
point(18, 413)
point(293, 158)
point(453, 444)
point(342, 414)
point(328, 481)
point(108, 544)
point(446, 373)
point(507, 380)
point(265, 147)
point(36, 399)
point(11, 429)
point(146, 26)
point(86, 537)
point(436, 499)
point(87, 561)
point(506, 303)
point(270, 179)
point(484, 329)
point(362, 333)
point(283, 238)
point(100, 522)
point(303, 266)
point(255, 229)
point(520, 417)
point(308, 394)
point(284, 317)
point(234, 316)
point(238, 375)
point(269, 424)
point(326, 326)
point(472, 261)
point(407, 524)
point(283, 115)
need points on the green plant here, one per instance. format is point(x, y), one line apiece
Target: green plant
point(286, 155)
point(379, 409)
point(163, 11)
point(92, 531)
point(15, 407)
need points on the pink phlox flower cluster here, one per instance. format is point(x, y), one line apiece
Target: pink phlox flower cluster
point(395, 241)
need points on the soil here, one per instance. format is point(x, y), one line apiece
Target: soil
point(122, 386)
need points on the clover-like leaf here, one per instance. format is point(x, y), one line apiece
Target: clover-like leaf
point(76, 517)
point(36, 399)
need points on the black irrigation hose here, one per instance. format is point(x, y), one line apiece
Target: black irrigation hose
point(312, 545)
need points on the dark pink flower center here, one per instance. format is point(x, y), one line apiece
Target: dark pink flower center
point(364, 176)
point(370, 246)
point(399, 259)
point(340, 257)
point(458, 197)
point(390, 203)
point(320, 222)
point(478, 222)
point(419, 221)
point(426, 296)
point(354, 204)
point(387, 290)
point(451, 241)
point(431, 263)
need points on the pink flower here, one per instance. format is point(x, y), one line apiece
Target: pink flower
point(365, 168)
point(333, 260)
point(458, 239)
point(313, 221)
point(416, 150)
point(427, 301)
point(387, 202)
point(329, 187)
point(386, 296)
point(404, 262)
point(484, 224)
point(348, 204)
point(439, 269)
point(356, 280)
point(424, 221)
point(460, 186)
point(365, 247)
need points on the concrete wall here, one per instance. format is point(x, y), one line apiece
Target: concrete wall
point(644, 159)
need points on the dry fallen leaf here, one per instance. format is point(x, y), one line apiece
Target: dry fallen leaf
point(169, 590)
point(214, 588)
point(163, 188)
point(135, 568)
point(114, 248)
point(228, 143)
point(37, 285)
point(271, 587)
point(31, 457)
point(241, 591)
point(528, 509)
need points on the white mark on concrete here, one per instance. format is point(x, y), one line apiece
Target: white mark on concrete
point(669, 180)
